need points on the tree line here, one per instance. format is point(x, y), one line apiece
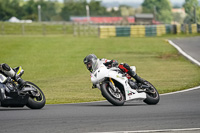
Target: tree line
point(53, 10)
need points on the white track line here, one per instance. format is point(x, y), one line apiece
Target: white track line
point(189, 58)
point(184, 53)
point(153, 131)
point(198, 87)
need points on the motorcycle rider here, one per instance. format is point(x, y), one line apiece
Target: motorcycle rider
point(91, 61)
point(14, 73)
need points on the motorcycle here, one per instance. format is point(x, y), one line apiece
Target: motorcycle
point(117, 87)
point(20, 94)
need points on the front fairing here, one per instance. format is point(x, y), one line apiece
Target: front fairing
point(103, 73)
point(2, 78)
point(98, 75)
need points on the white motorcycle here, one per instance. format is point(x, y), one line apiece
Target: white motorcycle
point(117, 87)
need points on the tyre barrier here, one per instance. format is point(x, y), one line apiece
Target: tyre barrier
point(147, 30)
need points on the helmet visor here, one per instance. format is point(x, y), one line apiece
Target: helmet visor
point(92, 66)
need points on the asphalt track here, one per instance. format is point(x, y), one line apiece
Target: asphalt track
point(190, 45)
point(179, 111)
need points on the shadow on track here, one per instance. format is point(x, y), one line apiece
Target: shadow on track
point(107, 104)
point(13, 109)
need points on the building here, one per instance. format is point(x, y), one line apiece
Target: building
point(181, 11)
point(144, 18)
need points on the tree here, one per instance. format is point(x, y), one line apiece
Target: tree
point(193, 11)
point(96, 9)
point(72, 8)
point(177, 17)
point(78, 8)
point(160, 8)
point(10, 8)
point(115, 13)
point(48, 10)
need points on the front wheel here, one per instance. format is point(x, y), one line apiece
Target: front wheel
point(152, 95)
point(38, 100)
point(114, 97)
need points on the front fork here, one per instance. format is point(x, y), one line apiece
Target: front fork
point(112, 85)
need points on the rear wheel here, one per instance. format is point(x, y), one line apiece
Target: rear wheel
point(152, 95)
point(36, 101)
point(114, 97)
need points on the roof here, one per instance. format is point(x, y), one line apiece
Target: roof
point(101, 19)
point(144, 15)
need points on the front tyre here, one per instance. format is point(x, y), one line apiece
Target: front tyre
point(36, 102)
point(152, 95)
point(115, 98)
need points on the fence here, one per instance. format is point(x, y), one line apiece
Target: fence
point(147, 30)
point(35, 28)
point(85, 29)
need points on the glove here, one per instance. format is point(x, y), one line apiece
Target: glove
point(112, 63)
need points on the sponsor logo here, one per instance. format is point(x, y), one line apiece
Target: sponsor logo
point(130, 93)
point(119, 77)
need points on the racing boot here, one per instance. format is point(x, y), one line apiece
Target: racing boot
point(136, 77)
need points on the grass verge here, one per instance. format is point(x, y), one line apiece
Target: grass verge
point(55, 63)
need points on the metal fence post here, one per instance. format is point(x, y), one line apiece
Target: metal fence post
point(44, 29)
point(2, 28)
point(64, 28)
point(75, 29)
point(23, 29)
point(78, 29)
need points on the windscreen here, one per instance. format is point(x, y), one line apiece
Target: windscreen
point(95, 65)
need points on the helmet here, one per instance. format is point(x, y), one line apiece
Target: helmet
point(91, 62)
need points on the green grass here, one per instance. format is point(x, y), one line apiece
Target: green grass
point(55, 63)
point(7, 28)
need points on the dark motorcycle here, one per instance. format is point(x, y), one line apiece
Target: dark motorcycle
point(21, 93)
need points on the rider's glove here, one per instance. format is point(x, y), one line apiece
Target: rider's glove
point(112, 63)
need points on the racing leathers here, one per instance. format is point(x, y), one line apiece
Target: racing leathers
point(123, 67)
point(14, 73)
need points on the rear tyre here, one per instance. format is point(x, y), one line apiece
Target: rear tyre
point(115, 98)
point(36, 102)
point(152, 96)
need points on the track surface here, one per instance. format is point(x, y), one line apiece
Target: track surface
point(176, 111)
point(190, 45)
